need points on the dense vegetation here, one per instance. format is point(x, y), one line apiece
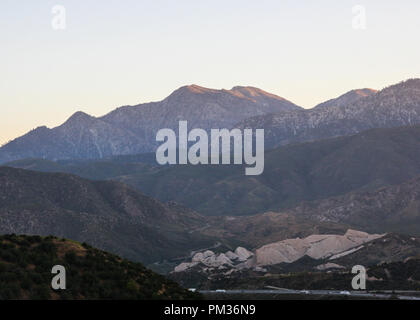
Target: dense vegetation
point(26, 263)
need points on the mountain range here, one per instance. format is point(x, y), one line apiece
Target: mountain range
point(397, 105)
point(294, 173)
point(348, 163)
point(132, 129)
point(114, 217)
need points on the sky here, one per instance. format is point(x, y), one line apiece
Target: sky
point(125, 52)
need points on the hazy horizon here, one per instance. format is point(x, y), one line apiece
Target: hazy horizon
point(113, 54)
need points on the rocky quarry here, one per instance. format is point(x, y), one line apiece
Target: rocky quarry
point(318, 246)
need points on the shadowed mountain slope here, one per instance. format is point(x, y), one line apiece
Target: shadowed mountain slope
point(293, 173)
point(106, 214)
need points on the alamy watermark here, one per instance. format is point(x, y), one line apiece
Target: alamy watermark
point(58, 282)
point(359, 21)
point(359, 281)
point(177, 150)
point(58, 21)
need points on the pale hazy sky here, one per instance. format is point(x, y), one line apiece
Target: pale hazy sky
point(120, 52)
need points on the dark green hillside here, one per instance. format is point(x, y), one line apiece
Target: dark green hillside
point(25, 272)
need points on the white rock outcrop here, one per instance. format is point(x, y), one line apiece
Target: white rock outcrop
point(231, 255)
point(328, 265)
point(243, 254)
point(314, 246)
point(201, 256)
point(185, 266)
point(209, 259)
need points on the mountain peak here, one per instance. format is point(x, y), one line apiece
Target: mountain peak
point(243, 92)
point(246, 88)
point(363, 92)
point(348, 98)
point(198, 89)
point(79, 117)
point(253, 92)
point(190, 91)
point(193, 88)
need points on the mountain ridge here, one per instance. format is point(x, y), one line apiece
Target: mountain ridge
point(132, 129)
point(294, 173)
point(395, 208)
point(349, 97)
point(107, 214)
point(394, 106)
